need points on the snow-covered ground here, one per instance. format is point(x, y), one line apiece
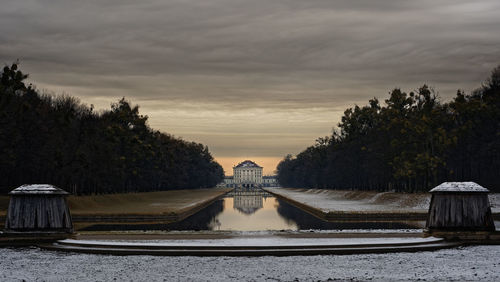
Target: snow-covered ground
point(494, 202)
point(258, 241)
point(358, 201)
point(459, 264)
point(334, 200)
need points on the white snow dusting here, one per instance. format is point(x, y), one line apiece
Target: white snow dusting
point(336, 201)
point(256, 241)
point(37, 189)
point(333, 200)
point(473, 263)
point(459, 187)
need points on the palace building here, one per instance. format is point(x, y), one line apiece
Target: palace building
point(270, 181)
point(247, 174)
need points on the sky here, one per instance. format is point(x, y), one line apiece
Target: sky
point(253, 79)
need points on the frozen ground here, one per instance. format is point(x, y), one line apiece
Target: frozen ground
point(494, 202)
point(355, 201)
point(460, 264)
point(258, 241)
point(361, 201)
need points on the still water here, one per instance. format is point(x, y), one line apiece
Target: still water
point(255, 210)
point(250, 211)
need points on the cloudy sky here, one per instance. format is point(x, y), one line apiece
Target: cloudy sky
point(251, 79)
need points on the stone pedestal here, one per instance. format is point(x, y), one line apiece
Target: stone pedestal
point(38, 209)
point(459, 206)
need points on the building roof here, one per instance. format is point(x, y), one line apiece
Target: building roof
point(247, 163)
point(459, 187)
point(38, 189)
point(247, 210)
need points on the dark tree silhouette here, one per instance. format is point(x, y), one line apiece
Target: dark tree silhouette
point(411, 143)
point(58, 140)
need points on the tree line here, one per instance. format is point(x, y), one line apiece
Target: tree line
point(411, 143)
point(59, 140)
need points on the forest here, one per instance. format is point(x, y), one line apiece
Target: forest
point(58, 140)
point(410, 143)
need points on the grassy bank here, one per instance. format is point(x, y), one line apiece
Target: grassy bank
point(165, 202)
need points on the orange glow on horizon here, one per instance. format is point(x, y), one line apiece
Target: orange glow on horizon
point(268, 163)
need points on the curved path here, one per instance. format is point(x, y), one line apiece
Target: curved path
point(252, 247)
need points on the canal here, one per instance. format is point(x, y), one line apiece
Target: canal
point(254, 210)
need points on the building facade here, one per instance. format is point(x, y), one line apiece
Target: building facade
point(270, 181)
point(228, 182)
point(247, 174)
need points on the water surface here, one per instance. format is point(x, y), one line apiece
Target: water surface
point(255, 210)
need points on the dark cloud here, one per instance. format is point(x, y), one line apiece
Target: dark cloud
point(227, 56)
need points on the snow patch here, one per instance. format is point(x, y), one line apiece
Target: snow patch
point(354, 201)
point(472, 263)
point(256, 241)
point(459, 187)
point(338, 201)
point(30, 189)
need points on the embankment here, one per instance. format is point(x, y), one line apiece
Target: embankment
point(157, 207)
point(347, 205)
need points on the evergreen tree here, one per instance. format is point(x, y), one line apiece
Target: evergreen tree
point(58, 140)
point(412, 143)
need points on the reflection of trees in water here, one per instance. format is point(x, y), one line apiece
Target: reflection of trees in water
point(305, 220)
point(302, 219)
point(206, 219)
point(202, 220)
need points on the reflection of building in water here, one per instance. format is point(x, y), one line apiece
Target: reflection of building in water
point(249, 201)
point(248, 204)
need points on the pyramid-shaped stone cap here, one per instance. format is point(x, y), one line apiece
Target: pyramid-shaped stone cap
point(454, 187)
point(38, 189)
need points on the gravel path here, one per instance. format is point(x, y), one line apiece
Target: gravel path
point(460, 264)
